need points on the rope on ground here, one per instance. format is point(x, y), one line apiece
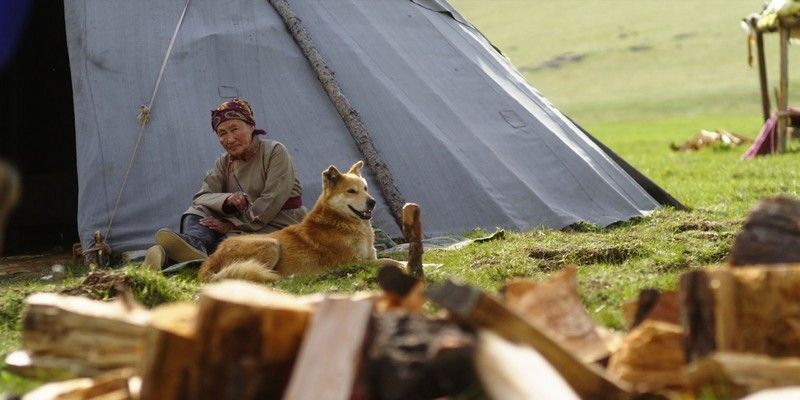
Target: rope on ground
point(143, 117)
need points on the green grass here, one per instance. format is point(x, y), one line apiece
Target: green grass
point(653, 73)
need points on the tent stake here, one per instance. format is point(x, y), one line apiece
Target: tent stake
point(350, 116)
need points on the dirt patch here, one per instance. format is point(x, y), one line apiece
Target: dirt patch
point(100, 285)
point(550, 259)
point(556, 62)
point(702, 226)
point(32, 264)
point(640, 47)
point(684, 35)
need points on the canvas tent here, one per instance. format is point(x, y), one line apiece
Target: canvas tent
point(462, 132)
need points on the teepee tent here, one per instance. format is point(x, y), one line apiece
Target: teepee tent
point(461, 131)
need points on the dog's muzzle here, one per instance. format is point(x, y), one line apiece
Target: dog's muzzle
point(366, 214)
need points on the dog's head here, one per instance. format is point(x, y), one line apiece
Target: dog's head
point(346, 193)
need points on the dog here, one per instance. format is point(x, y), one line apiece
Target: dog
point(336, 231)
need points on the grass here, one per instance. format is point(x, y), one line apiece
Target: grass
point(650, 73)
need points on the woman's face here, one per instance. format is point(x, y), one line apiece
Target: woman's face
point(235, 136)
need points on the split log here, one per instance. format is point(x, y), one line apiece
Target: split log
point(733, 375)
point(412, 230)
point(750, 309)
point(482, 311)
point(169, 366)
point(652, 304)
point(511, 371)
point(412, 357)
point(95, 336)
point(650, 357)
point(555, 307)
point(350, 116)
point(114, 385)
point(770, 235)
point(247, 340)
point(331, 353)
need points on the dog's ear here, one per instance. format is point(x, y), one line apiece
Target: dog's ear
point(356, 168)
point(330, 176)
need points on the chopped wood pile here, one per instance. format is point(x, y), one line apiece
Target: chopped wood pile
point(727, 331)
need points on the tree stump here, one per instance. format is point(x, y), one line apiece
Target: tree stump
point(247, 340)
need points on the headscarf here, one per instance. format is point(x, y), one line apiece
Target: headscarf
point(234, 109)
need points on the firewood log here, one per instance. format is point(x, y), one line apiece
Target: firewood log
point(749, 309)
point(247, 340)
point(331, 353)
point(650, 357)
point(95, 336)
point(168, 369)
point(555, 306)
point(770, 235)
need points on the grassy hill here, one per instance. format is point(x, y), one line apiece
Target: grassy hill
point(612, 60)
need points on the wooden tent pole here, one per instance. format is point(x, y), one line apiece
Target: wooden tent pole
point(762, 75)
point(349, 114)
point(783, 91)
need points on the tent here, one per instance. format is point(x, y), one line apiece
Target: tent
point(462, 132)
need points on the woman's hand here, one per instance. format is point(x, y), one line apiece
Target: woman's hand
point(217, 225)
point(238, 200)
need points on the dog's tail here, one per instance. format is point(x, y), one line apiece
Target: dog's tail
point(249, 270)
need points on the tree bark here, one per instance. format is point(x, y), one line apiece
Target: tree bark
point(347, 112)
point(770, 235)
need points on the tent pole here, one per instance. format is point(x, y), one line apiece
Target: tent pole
point(762, 74)
point(783, 91)
point(347, 112)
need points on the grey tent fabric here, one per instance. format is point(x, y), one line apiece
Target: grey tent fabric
point(462, 132)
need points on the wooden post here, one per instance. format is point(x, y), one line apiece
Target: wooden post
point(348, 113)
point(762, 74)
point(412, 230)
point(783, 92)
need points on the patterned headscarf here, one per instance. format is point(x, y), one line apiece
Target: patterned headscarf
point(234, 109)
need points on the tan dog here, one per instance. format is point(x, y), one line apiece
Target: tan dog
point(336, 231)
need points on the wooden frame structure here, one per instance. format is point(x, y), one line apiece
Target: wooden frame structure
point(783, 27)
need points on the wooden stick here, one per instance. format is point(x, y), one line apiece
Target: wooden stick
point(783, 92)
point(762, 75)
point(412, 229)
point(352, 120)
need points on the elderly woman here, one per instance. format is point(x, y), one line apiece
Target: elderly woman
point(253, 187)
